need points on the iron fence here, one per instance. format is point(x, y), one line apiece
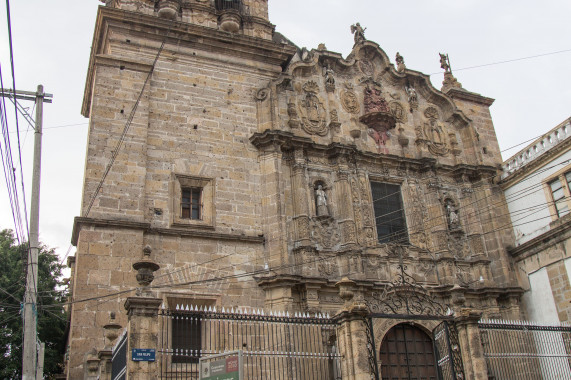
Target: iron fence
point(274, 345)
point(526, 350)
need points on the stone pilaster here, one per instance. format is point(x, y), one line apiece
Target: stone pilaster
point(105, 357)
point(352, 333)
point(475, 367)
point(143, 332)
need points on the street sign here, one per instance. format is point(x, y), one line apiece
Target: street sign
point(143, 355)
point(227, 366)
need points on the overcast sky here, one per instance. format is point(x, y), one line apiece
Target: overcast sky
point(52, 41)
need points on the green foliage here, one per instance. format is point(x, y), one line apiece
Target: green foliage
point(52, 319)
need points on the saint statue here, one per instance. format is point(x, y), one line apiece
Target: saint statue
point(321, 201)
point(453, 219)
point(400, 63)
point(445, 62)
point(359, 33)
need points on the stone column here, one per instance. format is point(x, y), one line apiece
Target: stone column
point(143, 332)
point(143, 320)
point(112, 330)
point(299, 201)
point(475, 367)
point(352, 333)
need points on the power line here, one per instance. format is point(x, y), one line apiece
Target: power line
point(508, 61)
point(126, 128)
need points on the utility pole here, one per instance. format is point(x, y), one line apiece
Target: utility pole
point(30, 351)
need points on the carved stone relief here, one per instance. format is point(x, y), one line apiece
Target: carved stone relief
point(432, 134)
point(350, 102)
point(398, 112)
point(328, 266)
point(293, 121)
point(312, 111)
point(367, 67)
point(325, 233)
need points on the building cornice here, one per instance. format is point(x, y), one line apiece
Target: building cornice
point(461, 94)
point(80, 222)
point(560, 231)
point(182, 35)
point(276, 140)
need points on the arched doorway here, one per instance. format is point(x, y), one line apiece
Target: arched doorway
point(407, 353)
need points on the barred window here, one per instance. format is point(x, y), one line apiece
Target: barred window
point(191, 203)
point(389, 213)
point(186, 338)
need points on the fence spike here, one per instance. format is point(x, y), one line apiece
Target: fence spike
point(214, 309)
point(295, 314)
point(177, 307)
point(262, 313)
point(287, 314)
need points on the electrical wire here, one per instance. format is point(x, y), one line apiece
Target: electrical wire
point(127, 126)
point(508, 61)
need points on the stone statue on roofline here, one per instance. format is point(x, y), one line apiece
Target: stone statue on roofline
point(400, 63)
point(445, 63)
point(359, 33)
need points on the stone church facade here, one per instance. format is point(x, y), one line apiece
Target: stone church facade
point(257, 174)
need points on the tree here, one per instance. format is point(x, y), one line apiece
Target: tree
point(52, 318)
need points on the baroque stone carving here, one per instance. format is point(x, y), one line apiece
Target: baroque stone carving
point(397, 110)
point(412, 97)
point(321, 201)
point(329, 80)
point(293, 121)
point(367, 67)
point(359, 33)
point(432, 134)
point(401, 67)
point(312, 111)
point(262, 94)
point(325, 233)
point(328, 266)
point(350, 102)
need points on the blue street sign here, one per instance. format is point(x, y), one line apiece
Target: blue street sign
point(143, 355)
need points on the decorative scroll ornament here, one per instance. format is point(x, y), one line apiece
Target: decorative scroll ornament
point(262, 94)
point(312, 111)
point(404, 296)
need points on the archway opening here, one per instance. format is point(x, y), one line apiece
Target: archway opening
point(407, 353)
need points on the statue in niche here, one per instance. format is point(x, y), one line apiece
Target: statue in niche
point(400, 63)
point(452, 213)
point(380, 138)
point(321, 201)
point(329, 80)
point(359, 33)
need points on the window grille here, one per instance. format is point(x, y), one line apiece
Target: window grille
point(389, 213)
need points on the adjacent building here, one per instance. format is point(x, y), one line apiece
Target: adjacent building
point(536, 182)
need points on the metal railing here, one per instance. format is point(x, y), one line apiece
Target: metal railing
point(273, 345)
point(526, 350)
point(222, 5)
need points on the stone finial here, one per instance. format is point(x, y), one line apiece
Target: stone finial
point(111, 331)
point(359, 33)
point(145, 268)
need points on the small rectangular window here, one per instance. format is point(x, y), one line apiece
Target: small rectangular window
point(191, 203)
point(389, 213)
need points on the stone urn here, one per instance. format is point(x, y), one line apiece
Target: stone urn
point(230, 21)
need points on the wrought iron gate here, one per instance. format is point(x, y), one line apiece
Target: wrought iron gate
point(404, 299)
point(447, 352)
